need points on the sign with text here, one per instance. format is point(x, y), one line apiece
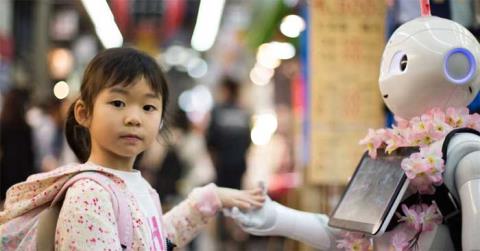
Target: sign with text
point(346, 45)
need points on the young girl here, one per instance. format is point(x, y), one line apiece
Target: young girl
point(118, 115)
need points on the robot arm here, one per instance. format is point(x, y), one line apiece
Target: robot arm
point(468, 188)
point(462, 177)
point(274, 219)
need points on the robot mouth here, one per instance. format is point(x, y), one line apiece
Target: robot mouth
point(385, 96)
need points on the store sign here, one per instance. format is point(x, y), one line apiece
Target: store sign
point(346, 43)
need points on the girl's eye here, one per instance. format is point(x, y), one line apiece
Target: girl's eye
point(149, 108)
point(117, 103)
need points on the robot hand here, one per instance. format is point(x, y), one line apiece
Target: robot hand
point(258, 221)
point(275, 219)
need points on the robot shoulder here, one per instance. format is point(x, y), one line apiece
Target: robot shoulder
point(461, 147)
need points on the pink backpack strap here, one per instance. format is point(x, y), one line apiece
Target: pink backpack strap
point(156, 198)
point(119, 203)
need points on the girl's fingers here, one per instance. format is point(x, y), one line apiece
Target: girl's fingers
point(255, 191)
point(242, 204)
point(259, 198)
point(256, 204)
point(254, 201)
point(245, 200)
point(255, 197)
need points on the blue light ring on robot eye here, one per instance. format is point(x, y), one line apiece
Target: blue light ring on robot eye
point(471, 71)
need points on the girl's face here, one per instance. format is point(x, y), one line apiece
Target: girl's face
point(124, 122)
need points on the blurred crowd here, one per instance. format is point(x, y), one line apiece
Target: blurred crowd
point(31, 137)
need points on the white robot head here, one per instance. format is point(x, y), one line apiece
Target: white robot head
point(429, 62)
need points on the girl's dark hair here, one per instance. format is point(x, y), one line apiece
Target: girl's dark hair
point(109, 68)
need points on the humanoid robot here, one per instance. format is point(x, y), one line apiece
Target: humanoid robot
point(428, 63)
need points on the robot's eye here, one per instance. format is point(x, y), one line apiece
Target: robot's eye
point(403, 63)
point(399, 63)
point(459, 66)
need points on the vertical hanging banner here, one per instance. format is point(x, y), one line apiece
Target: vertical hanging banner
point(346, 44)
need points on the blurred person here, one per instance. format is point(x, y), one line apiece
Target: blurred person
point(43, 128)
point(179, 166)
point(228, 139)
point(163, 167)
point(197, 171)
point(184, 159)
point(48, 122)
point(228, 135)
point(58, 153)
point(192, 150)
point(16, 142)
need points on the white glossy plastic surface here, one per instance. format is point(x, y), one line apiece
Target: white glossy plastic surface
point(423, 84)
point(470, 194)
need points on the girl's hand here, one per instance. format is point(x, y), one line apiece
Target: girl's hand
point(243, 199)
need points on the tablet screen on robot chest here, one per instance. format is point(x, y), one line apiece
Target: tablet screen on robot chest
point(373, 193)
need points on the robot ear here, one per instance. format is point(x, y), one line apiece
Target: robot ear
point(399, 63)
point(459, 66)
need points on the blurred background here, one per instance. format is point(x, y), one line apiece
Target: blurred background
point(278, 91)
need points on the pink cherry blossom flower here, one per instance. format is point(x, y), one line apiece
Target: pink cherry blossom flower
point(424, 169)
point(430, 217)
point(421, 124)
point(424, 138)
point(439, 126)
point(457, 117)
point(427, 117)
point(421, 217)
point(394, 139)
point(354, 242)
point(400, 241)
point(422, 184)
point(430, 134)
point(427, 129)
point(440, 129)
point(433, 157)
point(373, 140)
point(411, 218)
point(437, 113)
point(419, 179)
point(414, 165)
point(402, 123)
